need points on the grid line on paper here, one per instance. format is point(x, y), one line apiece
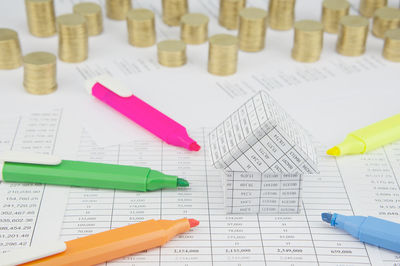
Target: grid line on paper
point(161, 195)
point(208, 200)
point(16, 132)
point(309, 229)
point(391, 167)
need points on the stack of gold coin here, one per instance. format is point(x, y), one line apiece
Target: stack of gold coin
point(368, 7)
point(93, 15)
point(41, 18)
point(308, 40)
point(252, 29)
point(353, 33)
point(281, 14)
point(141, 27)
point(117, 9)
point(40, 73)
point(171, 53)
point(223, 54)
point(229, 13)
point(391, 50)
point(72, 38)
point(10, 49)
point(332, 12)
point(194, 28)
point(173, 10)
point(385, 18)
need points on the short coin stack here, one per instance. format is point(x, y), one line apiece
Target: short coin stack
point(72, 38)
point(117, 9)
point(141, 27)
point(308, 41)
point(252, 29)
point(385, 18)
point(368, 7)
point(194, 28)
point(93, 15)
point(332, 12)
point(173, 10)
point(353, 35)
point(391, 50)
point(41, 17)
point(40, 73)
point(223, 54)
point(281, 14)
point(229, 13)
point(10, 49)
point(171, 53)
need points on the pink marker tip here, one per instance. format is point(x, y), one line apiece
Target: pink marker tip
point(194, 146)
point(193, 223)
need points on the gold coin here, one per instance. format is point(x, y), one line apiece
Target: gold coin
point(194, 28)
point(385, 18)
point(10, 49)
point(141, 27)
point(72, 38)
point(368, 7)
point(353, 33)
point(93, 15)
point(281, 14)
point(171, 53)
point(223, 54)
point(41, 17)
point(391, 49)
point(308, 41)
point(40, 73)
point(252, 29)
point(117, 9)
point(173, 10)
point(332, 12)
point(229, 13)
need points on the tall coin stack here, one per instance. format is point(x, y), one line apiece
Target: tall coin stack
point(252, 29)
point(281, 14)
point(141, 27)
point(171, 53)
point(368, 7)
point(223, 54)
point(353, 33)
point(385, 18)
point(72, 38)
point(40, 73)
point(41, 17)
point(391, 50)
point(194, 28)
point(93, 15)
point(332, 12)
point(10, 49)
point(308, 40)
point(229, 13)
point(117, 9)
point(173, 10)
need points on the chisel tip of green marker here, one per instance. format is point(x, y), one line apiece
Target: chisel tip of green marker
point(335, 151)
point(182, 182)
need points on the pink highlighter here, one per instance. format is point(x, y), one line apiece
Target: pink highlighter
point(112, 93)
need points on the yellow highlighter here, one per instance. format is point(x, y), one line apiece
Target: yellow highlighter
point(369, 138)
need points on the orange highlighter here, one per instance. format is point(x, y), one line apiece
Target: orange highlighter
point(117, 243)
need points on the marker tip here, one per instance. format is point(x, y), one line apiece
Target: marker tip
point(182, 182)
point(335, 151)
point(193, 223)
point(194, 146)
point(326, 217)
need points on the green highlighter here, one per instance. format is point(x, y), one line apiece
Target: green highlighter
point(45, 169)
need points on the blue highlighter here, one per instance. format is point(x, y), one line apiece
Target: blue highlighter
point(370, 230)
